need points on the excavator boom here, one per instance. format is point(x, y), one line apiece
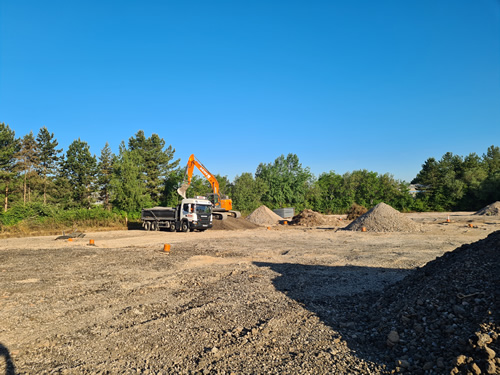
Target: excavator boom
point(220, 205)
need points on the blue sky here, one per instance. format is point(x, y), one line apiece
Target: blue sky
point(345, 85)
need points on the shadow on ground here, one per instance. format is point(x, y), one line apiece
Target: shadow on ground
point(6, 362)
point(341, 297)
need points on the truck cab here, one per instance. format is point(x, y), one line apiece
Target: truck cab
point(196, 213)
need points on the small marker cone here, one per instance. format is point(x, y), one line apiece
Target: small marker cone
point(166, 247)
point(363, 229)
point(448, 220)
point(70, 239)
point(91, 242)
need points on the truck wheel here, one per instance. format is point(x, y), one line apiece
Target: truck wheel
point(147, 225)
point(171, 228)
point(184, 226)
point(153, 226)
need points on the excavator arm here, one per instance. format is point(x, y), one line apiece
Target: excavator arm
point(221, 206)
point(193, 162)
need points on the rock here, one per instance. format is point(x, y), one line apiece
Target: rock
point(490, 353)
point(461, 359)
point(491, 368)
point(475, 369)
point(392, 338)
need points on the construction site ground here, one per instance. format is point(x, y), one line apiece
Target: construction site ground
point(220, 301)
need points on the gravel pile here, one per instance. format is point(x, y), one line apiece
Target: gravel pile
point(490, 210)
point(442, 319)
point(310, 218)
point(384, 218)
point(264, 216)
point(231, 223)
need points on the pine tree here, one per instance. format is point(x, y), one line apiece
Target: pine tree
point(104, 174)
point(26, 161)
point(156, 163)
point(9, 146)
point(80, 169)
point(47, 157)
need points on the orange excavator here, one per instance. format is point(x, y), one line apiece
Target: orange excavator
point(222, 205)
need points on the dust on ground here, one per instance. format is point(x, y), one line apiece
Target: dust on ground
point(283, 300)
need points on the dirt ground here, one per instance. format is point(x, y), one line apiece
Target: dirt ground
point(221, 301)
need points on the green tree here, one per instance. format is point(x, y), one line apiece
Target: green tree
point(492, 159)
point(247, 192)
point(9, 146)
point(27, 159)
point(48, 157)
point(105, 174)
point(80, 169)
point(156, 162)
point(127, 186)
point(287, 182)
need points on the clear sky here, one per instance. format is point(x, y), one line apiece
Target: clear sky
point(345, 85)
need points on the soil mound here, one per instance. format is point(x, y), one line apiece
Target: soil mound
point(310, 218)
point(384, 218)
point(446, 314)
point(490, 210)
point(264, 216)
point(232, 224)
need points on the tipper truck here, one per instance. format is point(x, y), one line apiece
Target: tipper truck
point(190, 215)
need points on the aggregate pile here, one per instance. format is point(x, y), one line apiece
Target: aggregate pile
point(443, 318)
point(231, 223)
point(384, 218)
point(310, 218)
point(264, 216)
point(490, 210)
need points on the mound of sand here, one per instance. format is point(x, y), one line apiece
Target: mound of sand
point(490, 210)
point(384, 218)
point(310, 218)
point(264, 216)
point(231, 223)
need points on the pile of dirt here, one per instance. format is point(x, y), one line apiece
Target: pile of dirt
point(310, 218)
point(490, 210)
point(356, 211)
point(233, 224)
point(384, 218)
point(442, 318)
point(264, 216)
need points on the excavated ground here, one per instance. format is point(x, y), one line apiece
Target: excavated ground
point(284, 300)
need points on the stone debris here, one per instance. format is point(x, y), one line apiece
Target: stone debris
point(384, 218)
point(443, 318)
point(264, 216)
point(231, 223)
point(490, 210)
point(310, 218)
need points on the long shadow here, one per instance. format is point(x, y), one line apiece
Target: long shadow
point(10, 369)
point(365, 304)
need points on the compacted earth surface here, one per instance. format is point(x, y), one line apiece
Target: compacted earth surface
point(280, 299)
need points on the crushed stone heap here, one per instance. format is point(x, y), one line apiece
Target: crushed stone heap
point(264, 216)
point(443, 318)
point(384, 218)
point(490, 210)
point(310, 218)
point(233, 224)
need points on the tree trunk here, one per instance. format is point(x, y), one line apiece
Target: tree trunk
point(6, 202)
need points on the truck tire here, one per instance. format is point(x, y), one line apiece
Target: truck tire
point(147, 225)
point(171, 226)
point(184, 226)
point(153, 226)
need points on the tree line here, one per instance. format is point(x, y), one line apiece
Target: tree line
point(145, 173)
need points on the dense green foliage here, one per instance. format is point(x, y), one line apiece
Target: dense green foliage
point(42, 184)
point(460, 183)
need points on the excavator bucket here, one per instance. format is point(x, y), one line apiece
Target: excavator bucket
point(182, 190)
